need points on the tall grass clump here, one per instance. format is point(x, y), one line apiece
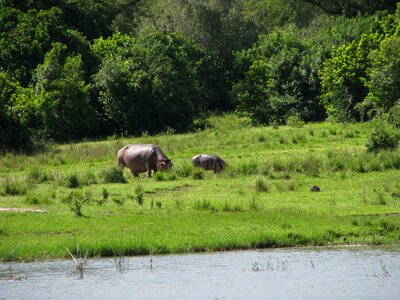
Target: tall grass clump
point(164, 176)
point(37, 175)
point(198, 174)
point(285, 186)
point(184, 170)
point(113, 175)
point(253, 205)
point(247, 168)
point(261, 185)
point(278, 165)
point(73, 181)
point(35, 198)
point(204, 205)
point(295, 121)
point(14, 186)
point(88, 178)
point(160, 176)
point(312, 165)
point(231, 208)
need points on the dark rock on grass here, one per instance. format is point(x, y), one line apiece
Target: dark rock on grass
point(315, 188)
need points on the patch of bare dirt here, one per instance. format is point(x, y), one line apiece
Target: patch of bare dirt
point(15, 209)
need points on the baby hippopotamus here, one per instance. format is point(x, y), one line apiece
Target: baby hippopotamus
point(209, 162)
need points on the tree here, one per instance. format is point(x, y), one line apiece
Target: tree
point(384, 72)
point(24, 39)
point(345, 78)
point(65, 111)
point(278, 80)
point(268, 14)
point(58, 105)
point(93, 18)
point(353, 7)
point(150, 83)
point(12, 134)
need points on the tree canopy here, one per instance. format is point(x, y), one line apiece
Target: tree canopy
point(77, 69)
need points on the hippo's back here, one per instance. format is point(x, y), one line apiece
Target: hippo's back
point(208, 162)
point(135, 156)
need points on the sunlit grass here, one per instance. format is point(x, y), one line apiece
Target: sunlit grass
point(262, 199)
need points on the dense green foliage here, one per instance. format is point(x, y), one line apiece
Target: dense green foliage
point(78, 69)
point(151, 83)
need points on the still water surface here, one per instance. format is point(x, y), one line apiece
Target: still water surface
point(350, 273)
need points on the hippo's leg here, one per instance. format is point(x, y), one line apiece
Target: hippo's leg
point(135, 174)
point(148, 170)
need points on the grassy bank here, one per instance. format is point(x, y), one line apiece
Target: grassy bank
point(263, 198)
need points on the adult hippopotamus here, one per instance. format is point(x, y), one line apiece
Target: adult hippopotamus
point(209, 162)
point(143, 158)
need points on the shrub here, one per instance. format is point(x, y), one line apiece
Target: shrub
point(76, 199)
point(139, 193)
point(294, 121)
point(113, 175)
point(105, 195)
point(384, 136)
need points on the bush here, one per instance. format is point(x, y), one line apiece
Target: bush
point(105, 195)
point(76, 199)
point(384, 136)
point(295, 121)
point(113, 175)
point(139, 193)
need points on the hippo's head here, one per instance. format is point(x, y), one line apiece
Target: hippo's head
point(164, 164)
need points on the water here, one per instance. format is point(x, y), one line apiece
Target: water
point(271, 274)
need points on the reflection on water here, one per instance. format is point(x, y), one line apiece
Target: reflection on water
point(351, 273)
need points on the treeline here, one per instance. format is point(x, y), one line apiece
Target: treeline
point(76, 69)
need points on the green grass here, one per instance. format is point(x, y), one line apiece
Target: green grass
point(262, 199)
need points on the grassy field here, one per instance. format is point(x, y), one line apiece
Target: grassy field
point(263, 198)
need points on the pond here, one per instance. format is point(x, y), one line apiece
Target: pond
point(293, 273)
